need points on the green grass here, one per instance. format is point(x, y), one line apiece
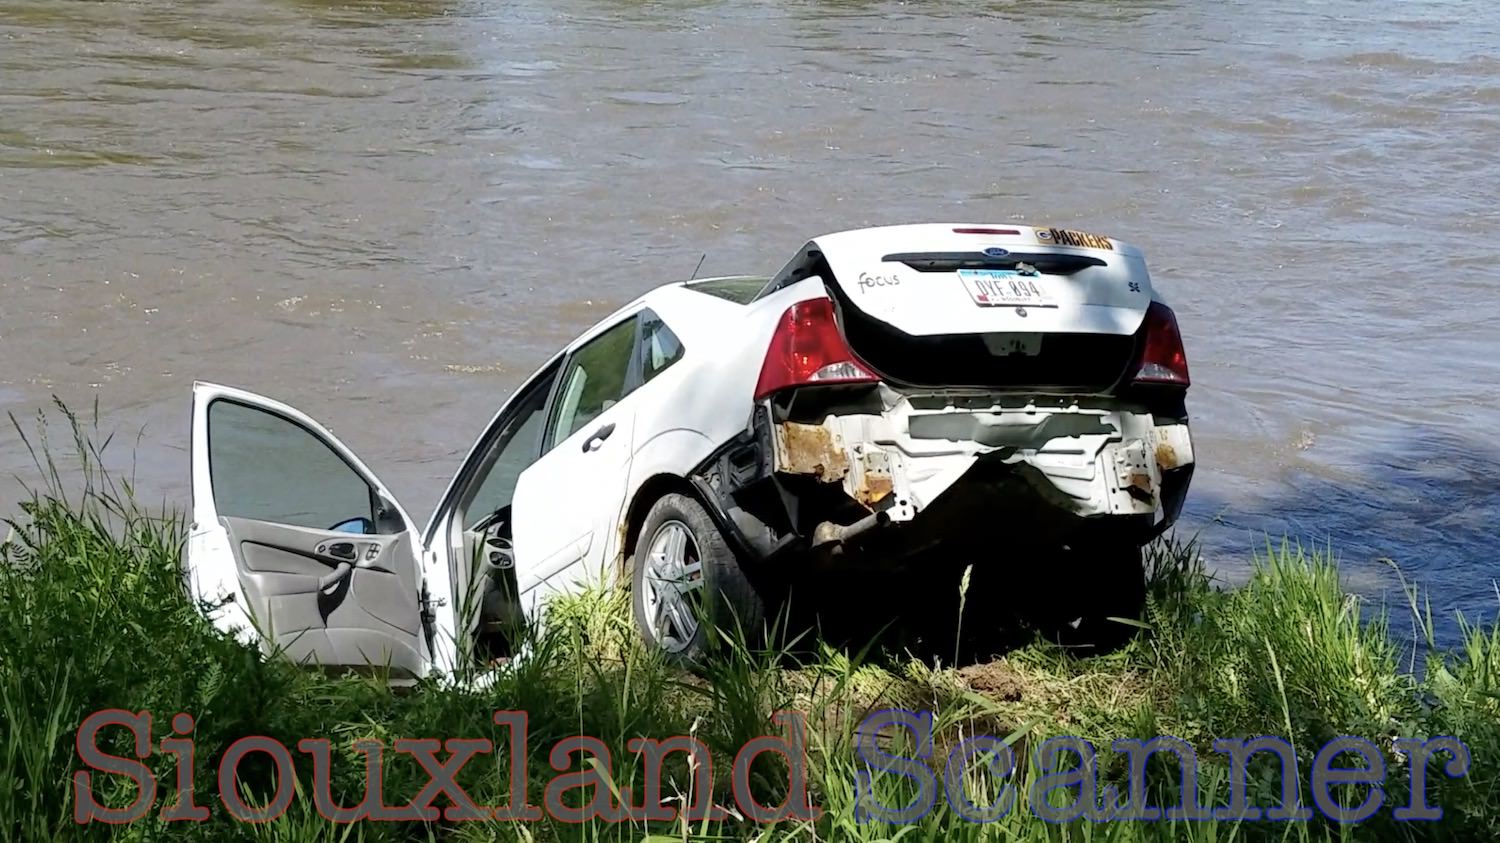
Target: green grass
point(93, 616)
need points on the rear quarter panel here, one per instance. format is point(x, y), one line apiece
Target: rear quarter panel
point(708, 396)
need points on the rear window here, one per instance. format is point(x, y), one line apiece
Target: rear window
point(737, 290)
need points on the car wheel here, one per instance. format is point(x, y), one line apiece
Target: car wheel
point(1114, 586)
point(685, 579)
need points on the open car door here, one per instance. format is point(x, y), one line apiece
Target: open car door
point(297, 545)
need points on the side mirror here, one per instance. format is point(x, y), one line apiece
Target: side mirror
point(360, 525)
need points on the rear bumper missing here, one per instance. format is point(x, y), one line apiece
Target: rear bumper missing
point(926, 469)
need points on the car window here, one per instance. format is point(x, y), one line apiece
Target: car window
point(267, 467)
point(517, 446)
point(737, 290)
point(597, 376)
point(660, 347)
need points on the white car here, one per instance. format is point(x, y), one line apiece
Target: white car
point(895, 399)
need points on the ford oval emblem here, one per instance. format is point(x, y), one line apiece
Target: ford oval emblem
point(995, 252)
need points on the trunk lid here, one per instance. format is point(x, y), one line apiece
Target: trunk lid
point(943, 279)
point(1012, 308)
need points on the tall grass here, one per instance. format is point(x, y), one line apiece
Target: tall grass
point(93, 616)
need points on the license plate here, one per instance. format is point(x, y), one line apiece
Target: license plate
point(1004, 288)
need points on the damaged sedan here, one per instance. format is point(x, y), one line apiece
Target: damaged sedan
point(895, 401)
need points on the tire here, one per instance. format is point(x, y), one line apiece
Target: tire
point(718, 593)
point(1115, 587)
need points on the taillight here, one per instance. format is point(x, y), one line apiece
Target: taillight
point(1162, 358)
point(807, 349)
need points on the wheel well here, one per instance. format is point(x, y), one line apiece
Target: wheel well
point(649, 493)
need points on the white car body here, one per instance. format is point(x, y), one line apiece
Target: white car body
point(886, 451)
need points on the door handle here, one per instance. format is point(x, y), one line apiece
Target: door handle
point(593, 442)
point(334, 577)
point(349, 552)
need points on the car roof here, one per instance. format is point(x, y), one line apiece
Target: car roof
point(687, 306)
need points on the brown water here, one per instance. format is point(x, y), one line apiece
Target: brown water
point(387, 213)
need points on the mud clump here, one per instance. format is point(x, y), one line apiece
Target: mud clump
point(994, 680)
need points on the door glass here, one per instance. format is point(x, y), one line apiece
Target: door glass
point(269, 468)
point(517, 446)
point(661, 348)
point(597, 376)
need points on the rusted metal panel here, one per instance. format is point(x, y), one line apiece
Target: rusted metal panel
point(875, 489)
point(810, 449)
point(1134, 475)
point(871, 477)
point(865, 471)
point(1174, 448)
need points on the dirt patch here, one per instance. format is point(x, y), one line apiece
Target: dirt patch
point(994, 680)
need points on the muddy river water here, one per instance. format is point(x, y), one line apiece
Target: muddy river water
point(387, 212)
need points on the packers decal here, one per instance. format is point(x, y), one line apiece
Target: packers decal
point(1067, 237)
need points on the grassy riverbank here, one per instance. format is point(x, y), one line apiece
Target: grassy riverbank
point(92, 617)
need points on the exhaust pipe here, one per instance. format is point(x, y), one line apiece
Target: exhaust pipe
point(829, 532)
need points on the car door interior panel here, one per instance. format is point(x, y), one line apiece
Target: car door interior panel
point(329, 597)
